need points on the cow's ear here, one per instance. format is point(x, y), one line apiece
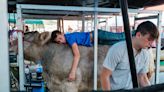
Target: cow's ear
point(44, 37)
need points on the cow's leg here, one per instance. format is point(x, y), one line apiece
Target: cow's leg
point(69, 87)
point(53, 82)
point(73, 86)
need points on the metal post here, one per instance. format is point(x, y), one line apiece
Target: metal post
point(134, 23)
point(106, 26)
point(20, 49)
point(83, 18)
point(58, 25)
point(157, 71)
point(62, 25)
point(4, 53)
point(92, 21)
point(124, 9)
point(95, 45)
point(116, 22)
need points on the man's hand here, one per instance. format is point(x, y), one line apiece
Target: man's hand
point(143, 80)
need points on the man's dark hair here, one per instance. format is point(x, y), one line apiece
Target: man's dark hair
point(54, 35)
point(148, 27)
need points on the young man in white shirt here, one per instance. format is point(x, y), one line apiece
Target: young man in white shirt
point(116, 69)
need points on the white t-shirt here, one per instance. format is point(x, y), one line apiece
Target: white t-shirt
point(118, 62)
point(13, 36)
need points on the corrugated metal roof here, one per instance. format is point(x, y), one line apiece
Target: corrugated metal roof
point(90, 3)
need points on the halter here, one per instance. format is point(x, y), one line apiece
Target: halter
point(16, 44)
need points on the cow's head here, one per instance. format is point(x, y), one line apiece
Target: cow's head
point(32, 43)
point(37, 38)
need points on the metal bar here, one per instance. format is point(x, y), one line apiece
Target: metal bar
point(76, 8)
point(56, 12)
point(4, 53)
point(50, 12)
point(147, 17)
point(124, 7)
point(157, 70)
point(20, 49)
point(27, 16)
point(95, 44)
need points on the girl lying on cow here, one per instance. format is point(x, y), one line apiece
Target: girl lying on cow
point(83, 39)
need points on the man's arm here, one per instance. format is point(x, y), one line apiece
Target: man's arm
point(104, 77)
point(143, 80)
point(76, 59)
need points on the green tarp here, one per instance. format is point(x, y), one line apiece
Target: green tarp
point(162, 63)
point(31, 21)
point(12, 19)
